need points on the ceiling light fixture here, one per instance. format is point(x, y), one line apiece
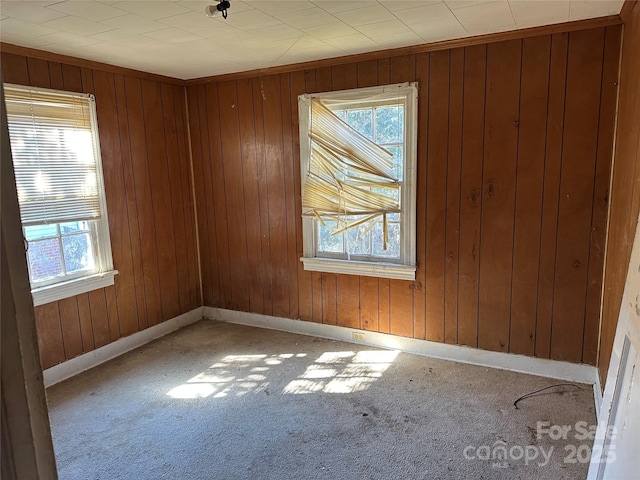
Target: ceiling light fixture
point(213, 10)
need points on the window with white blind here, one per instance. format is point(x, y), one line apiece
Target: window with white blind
point(56, 158)
point(358, 173)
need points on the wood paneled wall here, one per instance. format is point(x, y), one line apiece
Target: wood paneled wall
point(625, 192)
point(514, 156)
point(148, 188)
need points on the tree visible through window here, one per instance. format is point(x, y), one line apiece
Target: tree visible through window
point(384, 125)
point(358, 178)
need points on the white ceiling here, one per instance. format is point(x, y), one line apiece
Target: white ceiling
point(176, 39)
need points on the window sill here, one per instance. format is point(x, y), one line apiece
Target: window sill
point(367, 269)
point(58, 291)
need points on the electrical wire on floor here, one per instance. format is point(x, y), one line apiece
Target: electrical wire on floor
point(530, 394)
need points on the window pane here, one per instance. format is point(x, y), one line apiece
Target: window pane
point(361, 120)
point(328, 242)
point(59, 180)
point(393, 245)
point(389, 124)
point(40, 231)
point(398, 161)
point(71, 227)
point(45, 259)
point(78, 254)
point(389, 192)
point(359, 242)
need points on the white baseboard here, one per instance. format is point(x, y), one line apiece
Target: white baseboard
point(79, 364)
point(570, 372)
point(506, 361)
point(597, 395)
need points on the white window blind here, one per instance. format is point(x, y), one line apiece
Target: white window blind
point(54, 155)
point(350, 179)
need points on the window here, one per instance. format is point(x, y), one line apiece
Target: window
point(358, 171)
point(56, 159)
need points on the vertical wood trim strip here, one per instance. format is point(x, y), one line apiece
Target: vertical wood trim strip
point(422, 75)
point(452, 215)
point(602, 177)
point(579, 155)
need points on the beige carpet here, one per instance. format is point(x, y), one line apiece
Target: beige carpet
point(222, 401)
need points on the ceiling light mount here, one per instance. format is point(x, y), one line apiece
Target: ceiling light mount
point(213, 10)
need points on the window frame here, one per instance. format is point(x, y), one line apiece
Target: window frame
point(405, 267)
point(53, 289)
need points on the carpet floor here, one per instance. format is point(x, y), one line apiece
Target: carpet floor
point(224, 401)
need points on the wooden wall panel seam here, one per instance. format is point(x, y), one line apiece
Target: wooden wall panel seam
point(154, 253)
point(437, 150)
point(189, 207)
point(481, 194)
point(295, 148)
point(180, 285)
point(452, 199)
point(284, 182)
point(421, 75)
point(244, 215)
point(472, 145)
point(222, 188)
point(460, 193)
point(446, 205)
point(502, 91)
point(209, 243)
point(179, 223)
point(136, 207)
point(232, 170)
point(263, 195)
point(118, 147)
point(530, 194)
point(64, 348)
point(250, 192)
point(544, 166)
point(106, 114)
point(557, 215)
point(579, 157)
point(515, 197)
point(290, 193)
point(160, 197)
point(593, 204)
point(143, 320)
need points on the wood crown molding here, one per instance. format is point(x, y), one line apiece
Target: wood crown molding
point(627, 7)
point(84, 63)
point(360, 57)
point(416, 49)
